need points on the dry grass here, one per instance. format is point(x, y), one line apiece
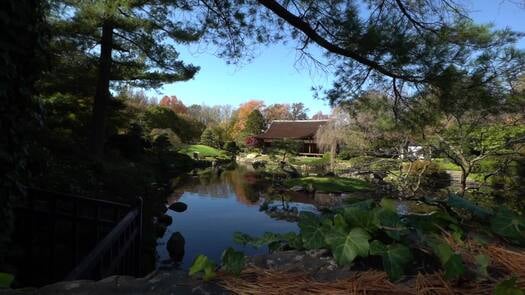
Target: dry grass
point(258, 281)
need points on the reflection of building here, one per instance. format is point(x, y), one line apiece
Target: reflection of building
point(300, 130)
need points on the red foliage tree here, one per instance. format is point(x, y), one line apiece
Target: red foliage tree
point(174, 103)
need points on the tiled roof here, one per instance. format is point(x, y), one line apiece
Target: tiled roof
point(293, 129)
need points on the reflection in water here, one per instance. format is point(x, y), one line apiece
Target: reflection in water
point(217, 207)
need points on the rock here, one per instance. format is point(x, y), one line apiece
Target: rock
point(259, 164)
point(178, 207)
point(297, 188)
point(160, 229)
point(175, 246)
point(252, 156)
point(165, 220)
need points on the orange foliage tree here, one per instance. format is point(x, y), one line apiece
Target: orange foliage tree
point(242, 115)
point(174, 103)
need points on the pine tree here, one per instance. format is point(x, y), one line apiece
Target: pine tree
point(210, 137)
point(255, 123)
point(135, 44)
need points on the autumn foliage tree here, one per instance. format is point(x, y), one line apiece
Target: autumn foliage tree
point(174, 103)
point(277, 111)
point(242, 114)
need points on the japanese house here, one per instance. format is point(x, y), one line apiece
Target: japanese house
point(300, 130)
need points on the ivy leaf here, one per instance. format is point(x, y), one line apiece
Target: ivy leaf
point(451, 262)
point(364, 205)
point(203, 264)
point(388, 204)
point(391, 223)
point(340, 222)
point(345, 247)
point(357, 217)
point(294, 240)
point(508, 287)
point(233, 261)
point(242, 238)
point(6, 279)
point(454, 267)
point(462, 203)
point(311, 232)
point(509, 225)
point(377, 248)
point(483, 262)
point(395, 258)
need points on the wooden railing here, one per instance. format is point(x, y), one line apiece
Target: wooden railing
point(117, 253)
point(60, 232)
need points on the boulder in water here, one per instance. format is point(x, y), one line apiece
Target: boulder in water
point(175, 247)
point(178, 207)
point(165, 220)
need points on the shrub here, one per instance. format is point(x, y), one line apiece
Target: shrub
point(231, 148)
point(432, 177)
point(252, 142)
point(165, 138)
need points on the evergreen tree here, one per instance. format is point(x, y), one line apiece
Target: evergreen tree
point(210, 137)
point(255, 123)
point(135, 41)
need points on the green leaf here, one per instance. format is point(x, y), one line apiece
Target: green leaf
point(454, 267)
point(340, 222)
point(509, 225)
point(358, 217)
point(395, 259)
point(242, 238)
point(508, 287)
point(451, 262)
point(377, 248)
point(311, 232)
point(345, 247)
point(294, 240)
point(6, 279)
point(462, 203)
point(233, 261)
point(364, 205)
point(203, 264)
point(483, 262)
point(388, 204)
point(391, 223)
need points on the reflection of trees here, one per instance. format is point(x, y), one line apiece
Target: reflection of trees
point(244, 184)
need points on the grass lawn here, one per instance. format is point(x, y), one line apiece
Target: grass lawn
point(204, 151)
point(330, 184)
point(444, 164)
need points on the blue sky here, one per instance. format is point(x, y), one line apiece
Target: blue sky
point(275, 75)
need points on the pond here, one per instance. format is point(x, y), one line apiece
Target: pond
point(218, 205)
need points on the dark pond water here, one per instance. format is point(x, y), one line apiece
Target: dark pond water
point(219, 206)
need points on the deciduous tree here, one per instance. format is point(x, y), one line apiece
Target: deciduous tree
point(277, 112)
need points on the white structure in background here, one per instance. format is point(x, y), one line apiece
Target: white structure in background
point(414, 152)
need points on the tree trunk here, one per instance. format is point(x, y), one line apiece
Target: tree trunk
point(102, 94)
point(463, 182)
point(332, 157)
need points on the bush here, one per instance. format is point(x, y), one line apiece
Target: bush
point(347, 154)
point(165, 139)
point(432, 177)
point(231, 148)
